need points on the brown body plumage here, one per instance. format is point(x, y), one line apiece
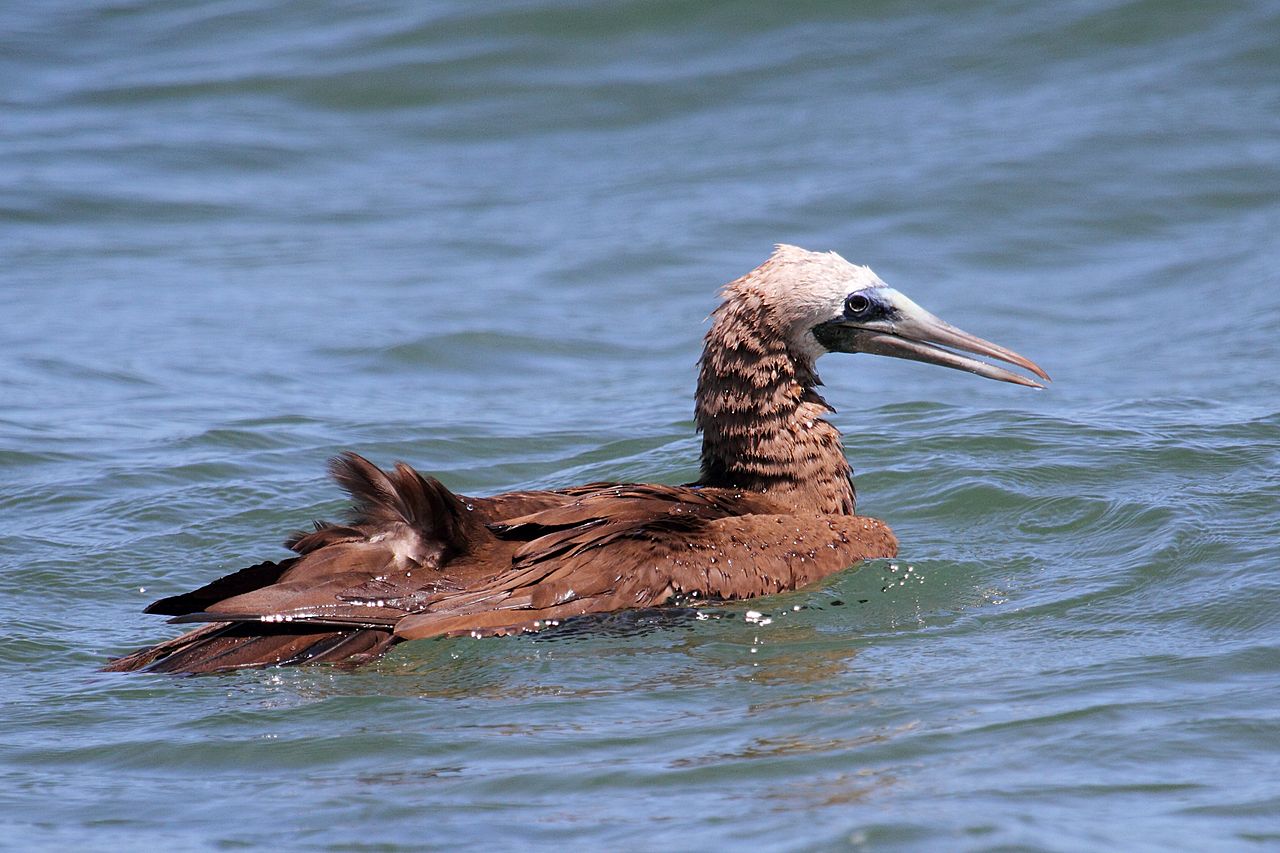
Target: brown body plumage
point(772, 511)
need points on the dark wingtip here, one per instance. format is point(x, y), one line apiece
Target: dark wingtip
point(245, 580)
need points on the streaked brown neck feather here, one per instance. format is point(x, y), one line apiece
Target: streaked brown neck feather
point(760, 416)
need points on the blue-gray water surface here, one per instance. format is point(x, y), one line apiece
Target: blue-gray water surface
point(238, 237)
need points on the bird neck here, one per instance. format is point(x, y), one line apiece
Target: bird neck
point(761, 417)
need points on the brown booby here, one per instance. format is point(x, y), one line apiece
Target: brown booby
point(772, 511)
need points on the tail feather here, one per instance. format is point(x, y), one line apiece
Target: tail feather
point(226, 647)
point(311, 607)
point(144, 658)
point(402, 495)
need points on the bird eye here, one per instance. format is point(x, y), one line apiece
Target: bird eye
point(857, 304)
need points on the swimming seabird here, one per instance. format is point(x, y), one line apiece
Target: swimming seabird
point(773, 509)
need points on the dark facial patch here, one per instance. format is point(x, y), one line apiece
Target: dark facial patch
point(833, 335)
point(862, 307)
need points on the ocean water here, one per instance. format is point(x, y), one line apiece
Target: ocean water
point(238, 237)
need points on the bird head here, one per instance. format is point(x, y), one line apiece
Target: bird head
point(827, 304)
